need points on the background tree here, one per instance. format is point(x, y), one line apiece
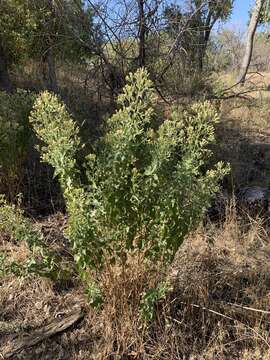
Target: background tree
point(226, 50)
point(201, 16)
point(44, 30)
point(253, 23)
point(63, 27)
point(16, 27)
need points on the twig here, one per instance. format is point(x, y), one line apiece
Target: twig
point(247, 308)
point(238, 82)
point(228, 318)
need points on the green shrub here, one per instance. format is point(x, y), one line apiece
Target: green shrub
point(41, 260)
point(149, 300)
point(15, 137)
point(142, 190)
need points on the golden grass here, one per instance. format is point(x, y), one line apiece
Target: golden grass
point(244, 136)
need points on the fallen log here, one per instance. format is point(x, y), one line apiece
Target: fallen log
point(25, 341)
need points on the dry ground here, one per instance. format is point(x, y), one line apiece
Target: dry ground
point(218, 308)
point(244, 133)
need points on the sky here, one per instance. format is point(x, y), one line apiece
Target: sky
point(240, 14)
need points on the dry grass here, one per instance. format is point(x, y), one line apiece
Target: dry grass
point(244, 136)
point(218, 307)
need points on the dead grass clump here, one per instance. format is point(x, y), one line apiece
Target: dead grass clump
point(120, 329)
point(220, 306)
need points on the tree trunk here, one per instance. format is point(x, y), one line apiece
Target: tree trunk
point(5, 82)
point(52, 78)
point(142, 33)
point(48, 72)
point(255, 15)
point(201, 51)
point(206, 28)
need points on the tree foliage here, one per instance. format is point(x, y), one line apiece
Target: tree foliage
point(15, 137)
point(200, 16)
point(17, 24)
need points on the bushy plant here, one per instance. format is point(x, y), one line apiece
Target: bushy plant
point(149, 300)
point(15, 136)
point(142, 189)
point(41, 259)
